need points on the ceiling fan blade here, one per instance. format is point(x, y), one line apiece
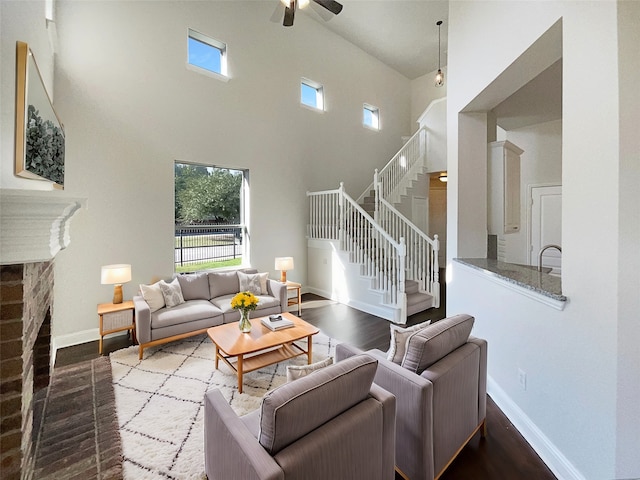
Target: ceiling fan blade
point(289, 13)
point(331, 5)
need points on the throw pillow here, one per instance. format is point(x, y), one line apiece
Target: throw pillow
point(399, 338)
point(152, 294)
point(172, 293)
point(298, 371)
point(255, 283)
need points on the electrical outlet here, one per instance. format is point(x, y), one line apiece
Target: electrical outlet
point(522, 378)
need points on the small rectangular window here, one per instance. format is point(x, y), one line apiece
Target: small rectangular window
point(371, 116)
point(311, 94)
point(207, 54)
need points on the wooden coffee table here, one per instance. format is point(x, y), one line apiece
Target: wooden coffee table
point(268, 347)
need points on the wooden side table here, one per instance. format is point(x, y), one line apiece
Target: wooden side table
point(116, 317)
point(297, 300)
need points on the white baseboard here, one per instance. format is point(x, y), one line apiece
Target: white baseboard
point(561, 467)
point(319, 292)
point(378, 310)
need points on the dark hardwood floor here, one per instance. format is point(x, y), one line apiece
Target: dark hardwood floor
point(503, 454)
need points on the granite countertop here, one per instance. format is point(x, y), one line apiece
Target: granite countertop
point(525, 276)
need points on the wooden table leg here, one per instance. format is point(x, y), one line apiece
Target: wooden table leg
point(309, 352)
point(299, 302)
point(100, 345)
point(217, 356)
point(239, 368)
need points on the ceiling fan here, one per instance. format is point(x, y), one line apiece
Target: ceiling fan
point(291, 6)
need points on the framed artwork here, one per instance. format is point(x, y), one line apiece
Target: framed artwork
point(40, 138)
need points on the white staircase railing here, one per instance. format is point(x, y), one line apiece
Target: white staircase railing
point(334, 215)
point(422, 251)
point(388, 246)
point(410, 156)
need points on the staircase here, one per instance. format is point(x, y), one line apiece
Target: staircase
point(388, 266)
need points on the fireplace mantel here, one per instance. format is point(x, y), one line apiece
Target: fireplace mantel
point(34, 224)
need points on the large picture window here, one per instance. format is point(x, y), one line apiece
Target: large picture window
point(210, 228)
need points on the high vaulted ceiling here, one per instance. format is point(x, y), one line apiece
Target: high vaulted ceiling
point(403, 34)
point(400, 33)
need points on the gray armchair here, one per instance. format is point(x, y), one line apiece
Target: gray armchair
point(332, 424)
point(440, 389)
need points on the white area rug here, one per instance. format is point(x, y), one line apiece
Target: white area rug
point(160, 402)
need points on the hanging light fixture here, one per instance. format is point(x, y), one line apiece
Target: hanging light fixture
point(439, 75)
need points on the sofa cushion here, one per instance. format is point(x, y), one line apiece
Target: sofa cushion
point(399, 339)
point(171, 292)
point(223, 283)
point(264, 301)
point(185, 312)
point(430, 344)
point(294, 409)
point(152, 294)
point(195, 286)
point(294, 372)
point(223, 303)
point(255, 283)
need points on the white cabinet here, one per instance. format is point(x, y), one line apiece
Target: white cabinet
point(503, 185)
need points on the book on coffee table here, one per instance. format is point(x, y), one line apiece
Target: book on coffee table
point(276, 322)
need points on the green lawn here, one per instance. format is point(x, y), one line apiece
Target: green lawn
point(194, 267)
point(204, 240)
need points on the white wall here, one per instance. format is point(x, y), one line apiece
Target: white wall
point(423, 92)
point(573, 396)
point(434, 119)
point(628, 261)
point(541, 163)
point(131, 108)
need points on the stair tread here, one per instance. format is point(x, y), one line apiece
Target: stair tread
point(415, 298)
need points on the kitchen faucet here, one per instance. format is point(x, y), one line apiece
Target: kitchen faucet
point(557, 247)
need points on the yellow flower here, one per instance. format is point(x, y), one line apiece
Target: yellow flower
point(244, 301)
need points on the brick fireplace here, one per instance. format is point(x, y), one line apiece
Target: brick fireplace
point(34, 227)
point(26, 292)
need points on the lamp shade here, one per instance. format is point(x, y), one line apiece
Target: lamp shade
point(284, 263)
point(115, 274)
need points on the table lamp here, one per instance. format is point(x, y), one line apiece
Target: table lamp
point(283, 264)
point(116, 275)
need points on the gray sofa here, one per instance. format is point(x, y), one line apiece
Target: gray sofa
point(207, 303)
point(332, 424)
point(441, 392)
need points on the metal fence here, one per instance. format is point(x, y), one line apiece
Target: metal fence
point(202, 243)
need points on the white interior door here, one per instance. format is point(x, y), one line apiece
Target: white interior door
point(420, 213)
point(546, 226)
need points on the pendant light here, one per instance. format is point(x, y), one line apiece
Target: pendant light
point(439, 75)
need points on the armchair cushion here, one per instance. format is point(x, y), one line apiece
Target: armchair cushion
point(295, 409)
point(435, 341)
point(195, 286)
